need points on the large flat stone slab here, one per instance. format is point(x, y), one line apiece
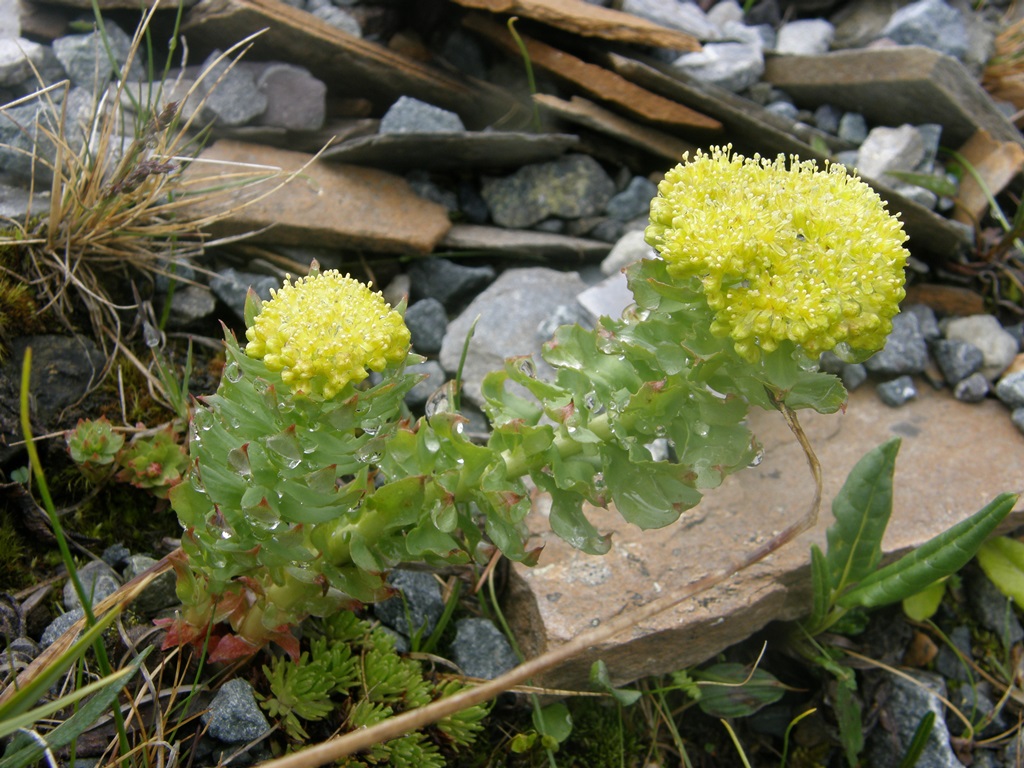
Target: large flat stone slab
point(455, 151)
point(891, 86)
point(954, 459)
point(325, 204)
point(590, 20)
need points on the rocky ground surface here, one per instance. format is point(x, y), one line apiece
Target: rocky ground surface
point(446, 177)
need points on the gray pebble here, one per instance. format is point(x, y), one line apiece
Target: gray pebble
point(419, 394)
point(59, 626)
point(998, 348)
point(420, 603)
point(233, 715)
point(897, 392)
point(853, 128)
point(1017, 417)
point(992, 608)
point(481, 650)
point(409, 115)
point(853, 375)
point(905, 351)
point(231, 287)
point(446, 281)
point(972, 389)
point(957, 359)
point(634, 200)
point(427, 321)
point(98, 580)
point(1010, 389)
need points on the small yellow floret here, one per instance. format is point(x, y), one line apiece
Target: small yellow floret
point(324, 331)
point(782, 253)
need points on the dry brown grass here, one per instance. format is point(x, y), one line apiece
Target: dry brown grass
point(1004, 74)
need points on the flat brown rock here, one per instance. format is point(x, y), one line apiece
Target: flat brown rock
point(589, 20)
point(464, 150)
point(325, 204)
point(350, 65)
point(597, 82)
point(589, 115)
point(954, 459)
point(891, 86)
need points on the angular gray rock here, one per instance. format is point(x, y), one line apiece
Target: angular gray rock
point(409, 115)
point(634, 200)
point(513, 312)
point(435, 377)
point(417, 609)
point(59, 626)
point(732, 66)
point(296, 101)
point(1010, 389)
point(159, 594)
point(931, 23)
point(957, 359)
point(481, 650)
point(905, 351)
point(427, 321)
point(232, 97)
point(897, 392)
point(905, 705)
point(447, 281)
point(234, 716)
point(998, 347)
point(17, 57)
point(805, 37)
point(853, 128)
point(570, 187)
point(972, 389)
point(231, 287)
point(98, 580)
point(890, 149)
point(85, 58)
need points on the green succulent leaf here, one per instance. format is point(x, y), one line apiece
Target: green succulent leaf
point(939, 557)
point(648, 494)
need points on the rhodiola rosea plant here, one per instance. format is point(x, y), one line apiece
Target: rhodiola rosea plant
point(309, 480)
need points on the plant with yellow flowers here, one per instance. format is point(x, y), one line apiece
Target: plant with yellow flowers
point(310, 480)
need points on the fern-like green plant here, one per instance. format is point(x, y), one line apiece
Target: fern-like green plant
point(353, 672)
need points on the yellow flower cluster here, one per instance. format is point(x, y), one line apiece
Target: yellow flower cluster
point(323, 331)
point(782, 253)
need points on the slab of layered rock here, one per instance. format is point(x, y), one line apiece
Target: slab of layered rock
point(464, 150)
point(350, 65)
point(520, 243)
point(590, 20)
point(891, 86)
point(954, 459)
point(324, 204)
point(595, 81)
point(586, 113)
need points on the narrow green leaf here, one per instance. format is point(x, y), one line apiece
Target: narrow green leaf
point(861, 509)
point(1002, 560)
point(938, 185)
point(821, 598)
point(848, 716)
point(941, 556)
point(919, 741)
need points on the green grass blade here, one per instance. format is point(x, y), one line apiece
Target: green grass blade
point(20, 702)
point(943, 555)
point(861, 510)
point(106, 689)
point(919, 742)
